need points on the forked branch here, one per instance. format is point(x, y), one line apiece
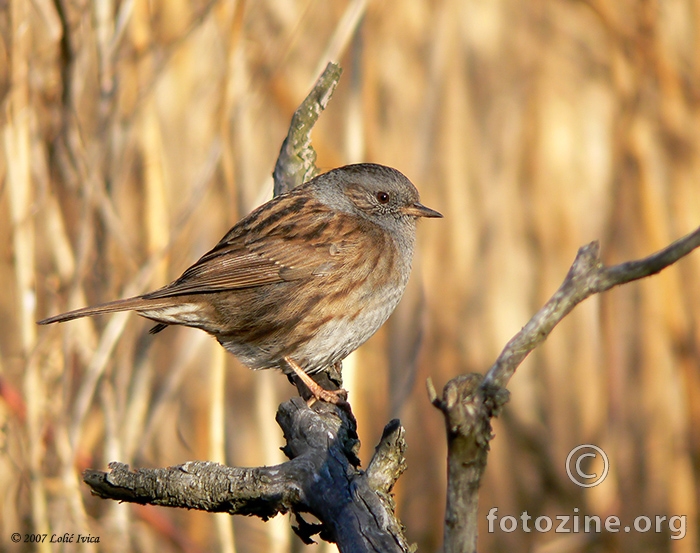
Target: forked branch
point(322, 477)
point(469, 402)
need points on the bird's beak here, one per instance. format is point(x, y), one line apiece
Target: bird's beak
point(419, 210)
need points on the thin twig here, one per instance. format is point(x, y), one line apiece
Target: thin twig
point(586, 277)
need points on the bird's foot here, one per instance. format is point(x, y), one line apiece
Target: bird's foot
point(336, 397)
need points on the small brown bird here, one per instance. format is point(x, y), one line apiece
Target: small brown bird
point(303, 280)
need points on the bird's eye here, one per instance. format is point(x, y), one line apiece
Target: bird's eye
point(382, 197)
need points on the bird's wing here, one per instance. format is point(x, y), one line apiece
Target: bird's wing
point(275, 254)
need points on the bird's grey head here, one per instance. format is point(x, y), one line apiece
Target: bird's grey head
point(376, 192)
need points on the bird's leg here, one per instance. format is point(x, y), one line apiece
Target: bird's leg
point(336, 397)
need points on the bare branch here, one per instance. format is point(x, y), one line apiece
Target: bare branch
point(206, 486)
point(468, 413)
point(321, 478)
point(469, 402)
point(297, 160)
point(587, 276)
point(388, 462)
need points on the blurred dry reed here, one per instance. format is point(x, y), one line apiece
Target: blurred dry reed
point(135, 133)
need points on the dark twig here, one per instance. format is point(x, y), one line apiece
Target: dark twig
point(469, 402)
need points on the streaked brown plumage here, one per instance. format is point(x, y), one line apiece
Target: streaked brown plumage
point(309, 276)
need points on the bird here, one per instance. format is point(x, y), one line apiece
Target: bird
point(301, 281)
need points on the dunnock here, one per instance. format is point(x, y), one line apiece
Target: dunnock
point(304, 279)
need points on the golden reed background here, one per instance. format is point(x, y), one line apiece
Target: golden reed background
point(135, 133)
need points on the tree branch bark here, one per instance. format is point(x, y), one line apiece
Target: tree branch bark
point(322, 478)
point(296, 163)
point(469, 402)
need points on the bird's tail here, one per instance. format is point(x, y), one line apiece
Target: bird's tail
point(129, 304)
